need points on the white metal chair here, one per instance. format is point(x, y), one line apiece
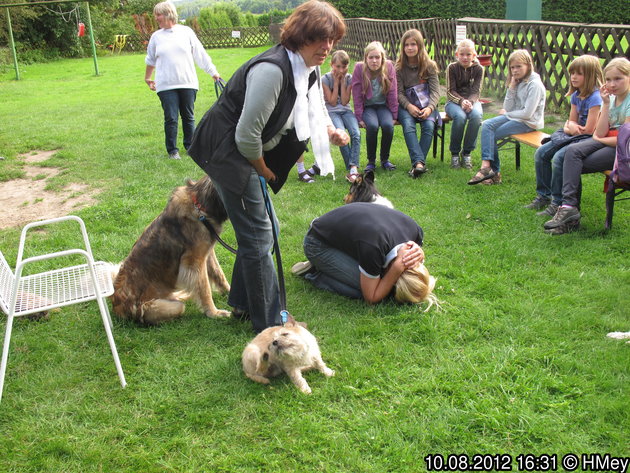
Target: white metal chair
point(22, 295)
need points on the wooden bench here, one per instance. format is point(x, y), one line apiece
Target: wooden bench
point(531, 138)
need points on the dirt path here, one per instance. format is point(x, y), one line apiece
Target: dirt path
point(26, 200)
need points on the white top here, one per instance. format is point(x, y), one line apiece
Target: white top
point(174, 52)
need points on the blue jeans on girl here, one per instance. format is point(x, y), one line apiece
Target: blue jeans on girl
point(336, 271)
point(548, 161)
point(176, 101)
point(494, 129)
point(460, 118)
point(350, 152)
point(376, 116)
point(418, 149)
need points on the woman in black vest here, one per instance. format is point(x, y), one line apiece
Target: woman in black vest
point(260, 125)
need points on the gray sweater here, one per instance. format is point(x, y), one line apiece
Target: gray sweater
point(526, 103)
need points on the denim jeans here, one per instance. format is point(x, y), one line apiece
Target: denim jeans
point(459, 118)
point(494, 129)
point(254, 286)
point(376, 116)
point(351, 151)
point(336, 271)
point(418, 150)
point(548, 161)
point(580, 158)
point(176, 101)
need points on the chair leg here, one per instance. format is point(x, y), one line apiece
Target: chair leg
point(436, 135)
point(5, 352)
point(110, 338)
point(518, 156)
point(442, 144)
point(610, 204)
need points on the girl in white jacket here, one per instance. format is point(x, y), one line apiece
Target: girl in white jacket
point(523, 111)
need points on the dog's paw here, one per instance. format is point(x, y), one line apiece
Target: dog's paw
point(305, 389)
point(328, 372)
point(218, 314)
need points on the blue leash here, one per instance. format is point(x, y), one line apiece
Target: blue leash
point(284, 313)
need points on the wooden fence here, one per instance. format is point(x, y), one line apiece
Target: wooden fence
point(215, 38)
point(553, 46)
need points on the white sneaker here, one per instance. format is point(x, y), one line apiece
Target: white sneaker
point(467, 161)
point(302, 267)
point(455, 162)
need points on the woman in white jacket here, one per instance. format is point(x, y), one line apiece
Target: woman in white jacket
point(173, 51)
point(523, 111)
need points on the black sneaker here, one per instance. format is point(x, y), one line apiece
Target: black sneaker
point(564, 228)
point(550, 211)
point(538, 203)
point(563, 216)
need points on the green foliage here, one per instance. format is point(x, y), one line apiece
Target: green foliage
point(232, 11)
point(274, 16)
point(580, 11)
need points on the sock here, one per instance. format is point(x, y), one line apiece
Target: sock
point(300, 167)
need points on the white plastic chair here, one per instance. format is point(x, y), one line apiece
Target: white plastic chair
point(22, 295)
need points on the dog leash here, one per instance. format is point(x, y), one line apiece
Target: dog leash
point(203, 219)
point(284, 313)
point(219, 86)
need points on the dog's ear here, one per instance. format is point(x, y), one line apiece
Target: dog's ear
point(290, 321)
point(369, 176)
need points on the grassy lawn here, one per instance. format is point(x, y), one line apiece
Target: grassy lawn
point(516, 361)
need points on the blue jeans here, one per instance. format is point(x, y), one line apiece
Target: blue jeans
point(376, 116)
point(418, 150)
point(176, 101)
point(336, 271)
point(548, 161)
point(459, 118)
point(351, 151)
point(254, 286)
point(494, 129)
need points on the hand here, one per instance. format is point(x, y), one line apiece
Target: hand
point(603, 92)
point(412, 254)
point(216, 77)
point(362, 124)
point(338, 136)
point(413, 110)
point(268, 174)
point(150, 83)
point(502, 111)
point(425, 113)
point(466, 106)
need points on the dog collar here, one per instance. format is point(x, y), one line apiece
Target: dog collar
point(196, 203)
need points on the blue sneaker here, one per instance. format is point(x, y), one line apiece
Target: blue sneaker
point(370, 167)
point(388, 165)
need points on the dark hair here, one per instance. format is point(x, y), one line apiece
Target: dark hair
point(312, 21)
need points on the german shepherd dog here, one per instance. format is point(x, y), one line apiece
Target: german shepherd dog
point(363, 189)
point(174, 260)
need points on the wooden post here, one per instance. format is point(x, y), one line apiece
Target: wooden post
point(15, 62)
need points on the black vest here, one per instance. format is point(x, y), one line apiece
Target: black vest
point(213, 146)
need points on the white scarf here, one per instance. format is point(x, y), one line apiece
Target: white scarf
point(309, 114)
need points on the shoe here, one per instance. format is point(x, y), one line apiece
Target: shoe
point(564, 215)
point(301, 268)
point(538, 203)
point(388, 165)
point(370, 167)
point(455, 162)
point(550, 211)
point(174, 155)
point(482, 175)
point(496, 179)
point(314, 170)
point(419, 169)
point(352, 175)
point(564, 228)
point(305, 177)
point(240, 314)
point(467, 161)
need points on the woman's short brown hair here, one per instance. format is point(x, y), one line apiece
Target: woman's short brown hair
point(312, 21)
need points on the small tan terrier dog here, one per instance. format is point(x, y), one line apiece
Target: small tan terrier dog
point(289, 348)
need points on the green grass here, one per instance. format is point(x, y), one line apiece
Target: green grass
point(517, 361)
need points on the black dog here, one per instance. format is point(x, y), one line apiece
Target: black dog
point(363, 189)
